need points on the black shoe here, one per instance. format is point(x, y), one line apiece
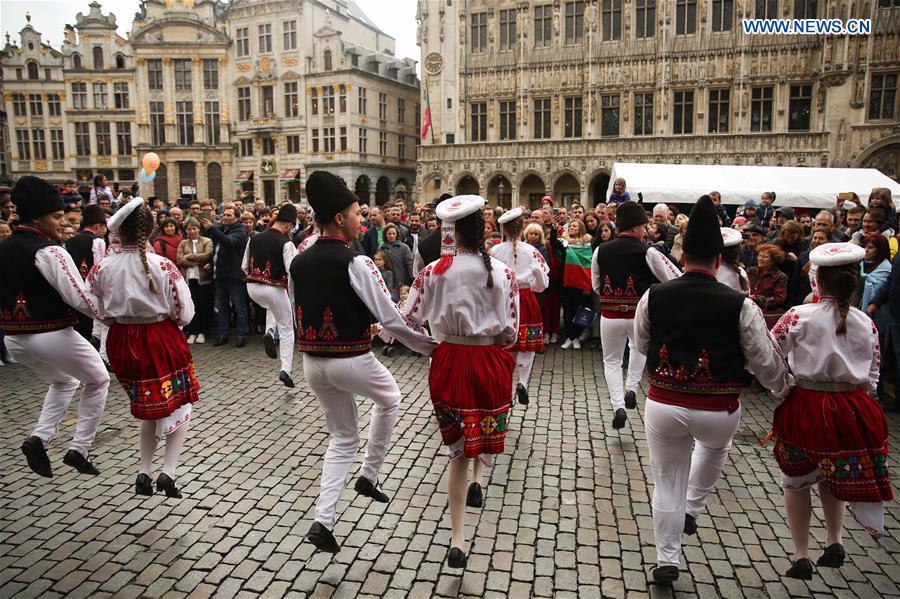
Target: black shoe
point(664, 574)
point(619, 419)
point(80, 463)
point(286, 379)
point(475, 498)
point(365, 487)
point(522, 394)
point(269, 344)
point(322, 538)
point(456, 558)
point(143, 485)
point(801, 570)
point(690, 525)
point(630, 400)
point(36, 454)
point(241, 342)
point(95, 341)
point(220, 342)
point(164, 483)
point(833, 557)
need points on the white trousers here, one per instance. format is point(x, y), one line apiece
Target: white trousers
point(63, 359)
point(100, 331)
point(613, 334)
point(683, 480)
point(335, 382)
point(277, 303)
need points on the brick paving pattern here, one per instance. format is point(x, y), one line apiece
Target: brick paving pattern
point(567, 510)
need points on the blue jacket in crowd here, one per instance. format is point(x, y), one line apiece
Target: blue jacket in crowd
point(890, 294)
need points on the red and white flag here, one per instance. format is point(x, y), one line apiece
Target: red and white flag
point(426, 116)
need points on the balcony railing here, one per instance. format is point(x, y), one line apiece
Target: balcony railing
point(268, 124)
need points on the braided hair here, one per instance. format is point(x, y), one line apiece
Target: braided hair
point(732, 257)
point(470, 235)
point(841, 284)
point(513, 230)
point(134, 231)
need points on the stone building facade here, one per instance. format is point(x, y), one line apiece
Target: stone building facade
point(248, 95)
point(181, 52)
point(299, 69)
point(71, 111)
point(533, 97)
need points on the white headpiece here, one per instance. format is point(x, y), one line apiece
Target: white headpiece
point(837, 254)
point(452, 210)
point(115, 221)
point(731, 237)
point(509, 215)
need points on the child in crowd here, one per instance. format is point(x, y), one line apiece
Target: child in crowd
point(618, 195)
point(383, 263)
point(392, 345)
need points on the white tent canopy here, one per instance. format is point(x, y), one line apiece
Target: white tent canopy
point(794, 186)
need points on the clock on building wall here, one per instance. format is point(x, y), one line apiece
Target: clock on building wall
point(267, 166)
point(434, 62)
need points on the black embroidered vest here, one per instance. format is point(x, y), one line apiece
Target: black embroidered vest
point(624, 274)
point(81, 248)
point(695, 359)
point(267, 259)
point(430, 247)
point(28, 303)
point(332, 321)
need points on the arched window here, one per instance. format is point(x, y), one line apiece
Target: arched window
point(214, 180)
point(76, 61)
point(98, 57)
point(327, 60)
point(32, 70)
point(120, 61)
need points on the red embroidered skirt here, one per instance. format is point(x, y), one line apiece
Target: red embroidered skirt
point(844, 435)
point(531, 323)
point(471, 388)
point(153, 364)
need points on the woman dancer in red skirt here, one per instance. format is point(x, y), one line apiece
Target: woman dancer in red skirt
point(470, 380)
point(830, 431)
point(532, 274)
point(146, 300)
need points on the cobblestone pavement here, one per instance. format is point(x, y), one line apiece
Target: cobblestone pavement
point(567, 509)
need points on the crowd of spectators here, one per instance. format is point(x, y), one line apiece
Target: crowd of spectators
point(206, 239)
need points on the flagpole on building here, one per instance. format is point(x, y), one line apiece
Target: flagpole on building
point(431, 125)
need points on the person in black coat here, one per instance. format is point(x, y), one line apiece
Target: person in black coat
point(230, 238)
point(373, 238)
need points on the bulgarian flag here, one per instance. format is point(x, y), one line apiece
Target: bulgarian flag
point(426, 116)
point(577, 271)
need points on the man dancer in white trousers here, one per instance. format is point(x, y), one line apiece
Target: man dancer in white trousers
point(266, 262)
point(698, 336)
point(39, 287)
point(339, 295)
point(621, 272)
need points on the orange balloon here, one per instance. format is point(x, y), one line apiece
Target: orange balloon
point(150, 162)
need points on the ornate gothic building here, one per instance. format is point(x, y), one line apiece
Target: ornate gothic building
point(538, 96)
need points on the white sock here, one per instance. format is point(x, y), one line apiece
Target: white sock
point(174, 443)
point(525, 361)
point(148, 445)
